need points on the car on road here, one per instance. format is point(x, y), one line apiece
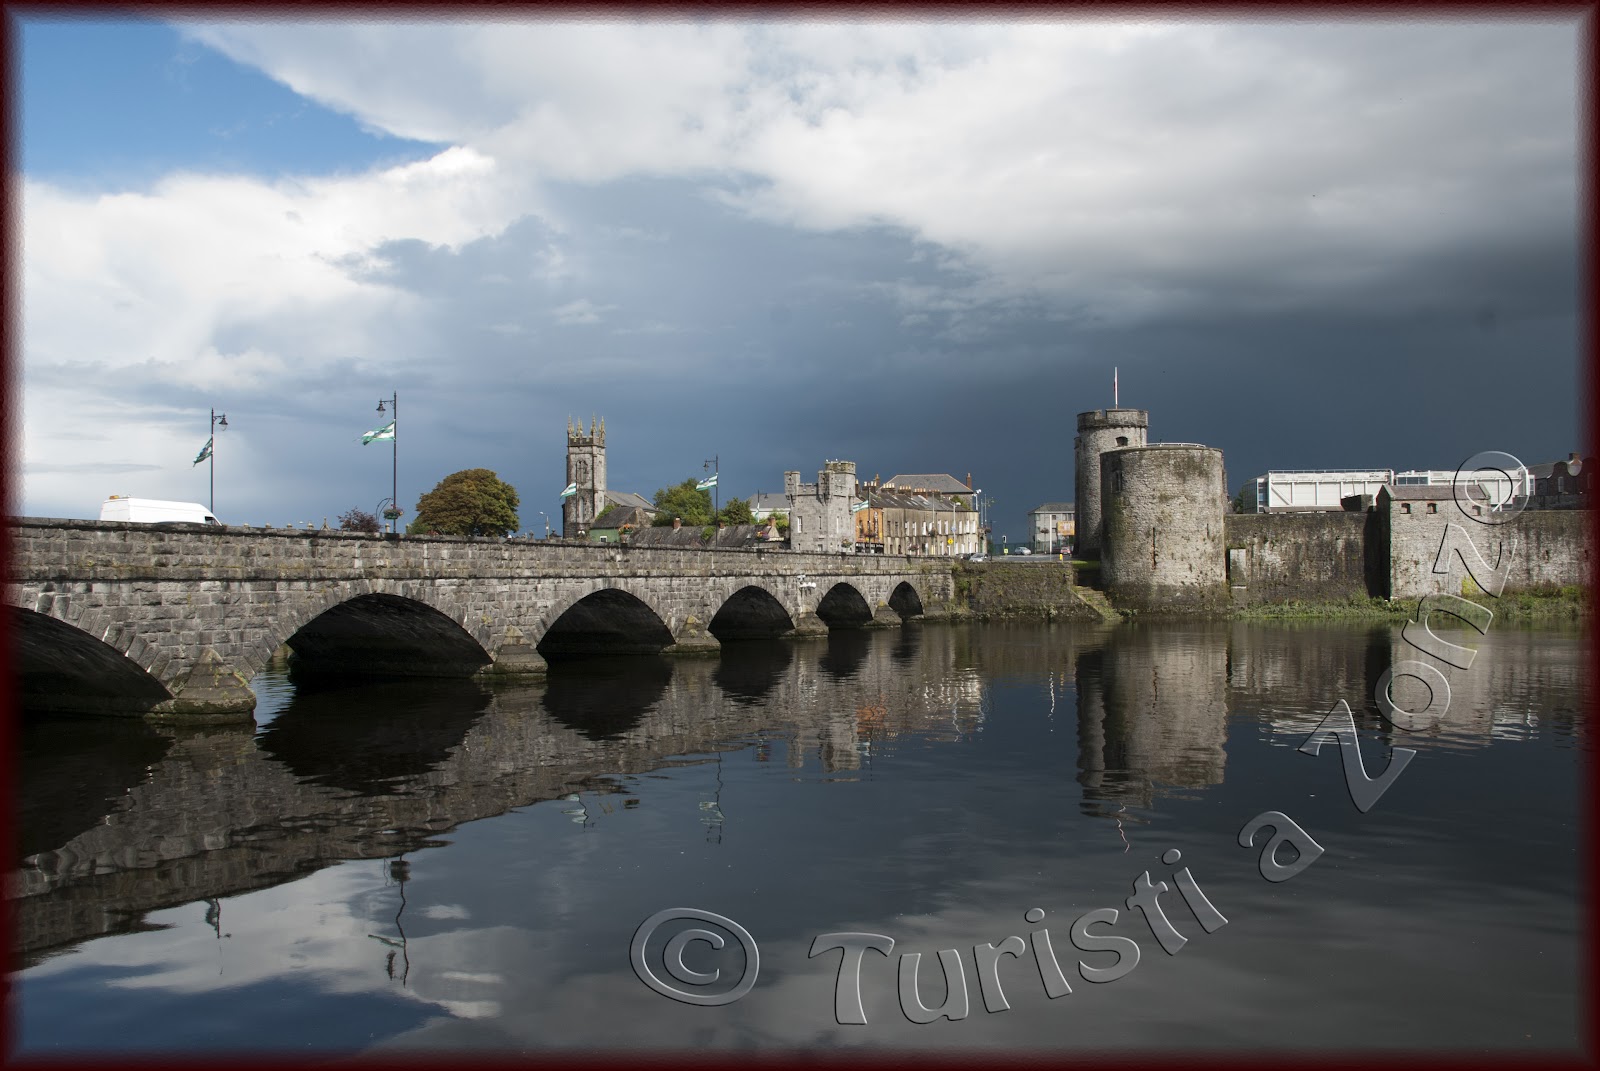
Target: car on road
point(1023, 550)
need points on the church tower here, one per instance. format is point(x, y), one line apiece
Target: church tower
point(586, 467)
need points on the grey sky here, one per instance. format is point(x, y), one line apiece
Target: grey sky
point(921, 247)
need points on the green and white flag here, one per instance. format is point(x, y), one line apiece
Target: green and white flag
point(859, 506)
point(707, 484)
point(205, 452)
point(572, 489)
point(384, 433)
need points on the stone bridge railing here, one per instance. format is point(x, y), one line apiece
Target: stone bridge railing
point(127, 618)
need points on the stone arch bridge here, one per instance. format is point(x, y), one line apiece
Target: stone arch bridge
point(175, 621)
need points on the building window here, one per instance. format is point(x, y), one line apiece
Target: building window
point(1405, 507)
point(1433, 507)
point(1122, 440)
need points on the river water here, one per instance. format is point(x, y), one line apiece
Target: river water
point(414, 866)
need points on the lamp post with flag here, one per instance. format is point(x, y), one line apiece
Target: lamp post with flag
point(208, 453)
point(710, 484)
point(386, 433)
point(566, 493)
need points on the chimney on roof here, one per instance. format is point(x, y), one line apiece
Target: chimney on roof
point(677, 522)
point(969, 481)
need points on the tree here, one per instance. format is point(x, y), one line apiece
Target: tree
point(682, 501)
point(737, 511)
point(358, 521)
point(472, 502)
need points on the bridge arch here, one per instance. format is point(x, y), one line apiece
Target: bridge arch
point(604, 621)
point(753, 612)
point(61, 667)
point(906, 600)
point(377, 632)
point(844, 607)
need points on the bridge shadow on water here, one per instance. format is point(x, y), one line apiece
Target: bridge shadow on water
point(372, 738)
point(74, 770)
point(750, 669)
point(604, 697)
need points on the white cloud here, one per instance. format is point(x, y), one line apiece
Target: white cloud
point(1085, 159)
point(582, 311)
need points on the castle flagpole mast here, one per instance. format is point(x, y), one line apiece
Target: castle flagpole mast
point(1114, 402)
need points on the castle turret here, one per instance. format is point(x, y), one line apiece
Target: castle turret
point(1100, 430)
point(1163, 548)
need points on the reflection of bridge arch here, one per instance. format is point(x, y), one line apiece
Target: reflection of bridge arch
point(61, 667)
point(609, 621)
point(379, 633)
point(844, 607)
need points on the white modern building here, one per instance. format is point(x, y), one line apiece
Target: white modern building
point(1290, 490)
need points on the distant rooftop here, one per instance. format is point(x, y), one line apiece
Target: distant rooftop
point(936, 483)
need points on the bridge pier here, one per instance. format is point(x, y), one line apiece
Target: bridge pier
point(212, 692)
point(884, 617)
point(516, 657)
point(809, 624)
point(691, 638)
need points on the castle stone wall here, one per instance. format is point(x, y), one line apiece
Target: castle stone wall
point(1277, 557)
point(1163, 544)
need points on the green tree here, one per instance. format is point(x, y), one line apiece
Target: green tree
point(682, 501)
point(472, 502)
point(737, 511)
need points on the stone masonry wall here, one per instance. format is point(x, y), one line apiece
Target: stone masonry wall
point(1554, 549)
point(1276, 557)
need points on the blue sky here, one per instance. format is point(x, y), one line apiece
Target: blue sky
point(919, 246)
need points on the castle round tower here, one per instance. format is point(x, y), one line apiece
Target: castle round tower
point(1162, 542)
point(1098, 431)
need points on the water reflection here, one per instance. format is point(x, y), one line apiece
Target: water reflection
point(1152, 713)
point(375, 739)
point(605, 697)
point(749, 670)
point(72, 772)
point(952, 749)
point(847, 649)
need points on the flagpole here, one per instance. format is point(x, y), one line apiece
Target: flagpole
point(394, 444)
point(211, 454)
point(715, 486)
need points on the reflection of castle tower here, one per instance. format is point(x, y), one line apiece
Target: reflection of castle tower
point(1152, 709)
point(586, 467)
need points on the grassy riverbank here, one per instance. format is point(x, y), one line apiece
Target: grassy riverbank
point(1551, 604)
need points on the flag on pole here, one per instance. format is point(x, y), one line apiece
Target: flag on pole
point(384, 433)
point(572, 489)
point(205, 452)
point(859, 506)
point(707, 484)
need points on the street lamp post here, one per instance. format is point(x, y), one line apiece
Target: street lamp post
point(546, 524)
point(218, 420)
point(712, 464)
point(394, 444)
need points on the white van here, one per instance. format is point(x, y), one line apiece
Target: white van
point(154, 511)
